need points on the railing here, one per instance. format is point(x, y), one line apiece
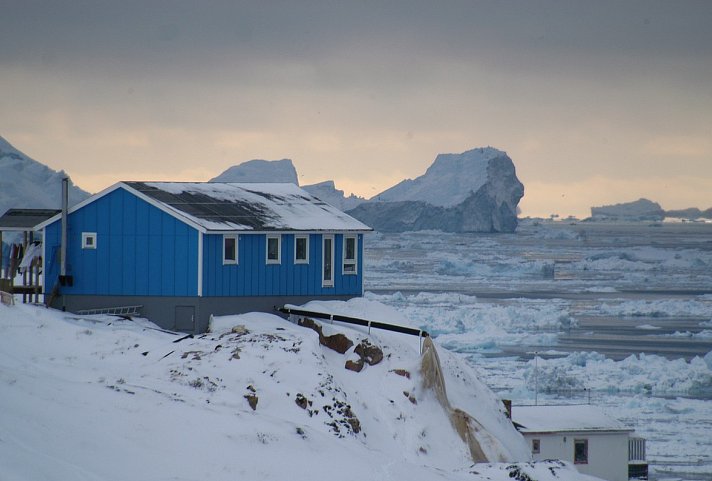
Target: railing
point(357, 321)
point(116, 311)
point(636, 449)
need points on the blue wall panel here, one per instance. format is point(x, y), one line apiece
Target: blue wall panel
point(252, 276)
point(140, 250)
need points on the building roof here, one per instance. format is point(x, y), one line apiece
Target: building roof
point(220, 207)
point(25, 219)
point(571, 418)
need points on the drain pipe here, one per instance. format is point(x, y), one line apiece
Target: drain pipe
point(63, 244)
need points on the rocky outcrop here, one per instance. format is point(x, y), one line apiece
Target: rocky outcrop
point(337, 342)
point(476, 191)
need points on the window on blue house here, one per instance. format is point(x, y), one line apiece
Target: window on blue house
point(88, 240)
point(301, 249)
point(327, 268)
point(273, 249)
point(350, 254)
point(229, 249)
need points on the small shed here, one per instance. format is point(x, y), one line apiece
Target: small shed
point(21, 251)
point(182, 251)
point(584, 435)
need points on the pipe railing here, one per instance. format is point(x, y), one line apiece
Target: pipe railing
point(357, 321)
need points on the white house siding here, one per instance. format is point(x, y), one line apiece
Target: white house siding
point(607, 452)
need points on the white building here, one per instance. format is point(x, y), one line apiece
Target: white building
point(584, 435)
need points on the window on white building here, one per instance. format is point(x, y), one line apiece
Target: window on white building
point(536, 446)
point(580, 451)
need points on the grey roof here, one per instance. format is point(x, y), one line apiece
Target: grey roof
point(25, 219)
point(224, 207)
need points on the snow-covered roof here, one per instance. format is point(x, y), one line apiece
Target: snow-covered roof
point(571, 418)
point(218, 206)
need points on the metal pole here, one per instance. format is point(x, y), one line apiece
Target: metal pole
point(536, 378)
point(63, 247)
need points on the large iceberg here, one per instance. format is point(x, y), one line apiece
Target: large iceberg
point(476, 191)
point(258, 170)
point(641, 209)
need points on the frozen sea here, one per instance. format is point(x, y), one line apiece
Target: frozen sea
point(619, 315)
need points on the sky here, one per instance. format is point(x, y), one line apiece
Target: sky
point(595, 102)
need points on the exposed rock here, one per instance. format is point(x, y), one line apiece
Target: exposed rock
point(301, 401)
point(338, 342)
point(241, 329)
point(410, 397)
point(369, 353)
point(355, 366)
point(401, 372)
point(252, 400)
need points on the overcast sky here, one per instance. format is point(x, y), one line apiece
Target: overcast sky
point(596, 102)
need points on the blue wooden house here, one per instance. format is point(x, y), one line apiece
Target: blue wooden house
point(184, 250)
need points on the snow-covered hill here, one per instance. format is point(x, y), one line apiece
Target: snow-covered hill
point(104, 398)
point(26, 183)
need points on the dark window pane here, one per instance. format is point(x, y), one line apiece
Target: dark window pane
point(581, 451)
point(301, 253)
point(350, 248)
point(327, 259)
point(229, 252)
point(273, 248)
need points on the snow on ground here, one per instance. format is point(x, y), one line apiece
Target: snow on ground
point(102, 398)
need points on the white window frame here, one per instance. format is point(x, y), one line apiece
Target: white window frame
point(237, 255)
point(278, 260)
point(85, 240)
point(350, 262)
point(324, 282)
point(536, 446)
point(306, 252)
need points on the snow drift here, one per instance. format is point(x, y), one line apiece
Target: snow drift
point(258, 398)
